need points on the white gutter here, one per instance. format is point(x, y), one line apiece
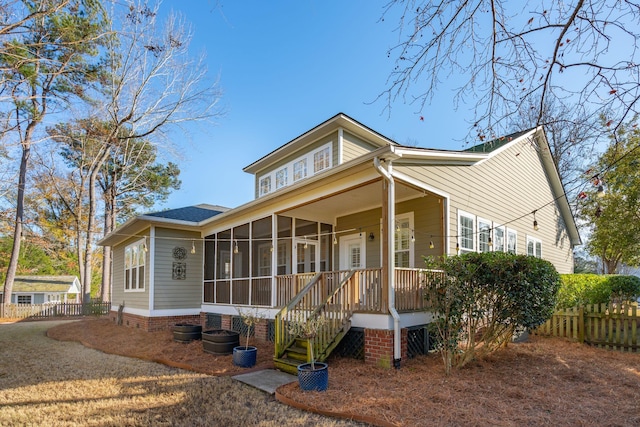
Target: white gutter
point(391, 206)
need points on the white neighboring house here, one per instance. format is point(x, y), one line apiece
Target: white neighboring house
point(45, 289)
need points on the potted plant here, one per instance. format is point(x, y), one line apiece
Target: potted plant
point(312, 375)
point(246, 356)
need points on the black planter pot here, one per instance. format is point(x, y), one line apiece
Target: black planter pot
point(313, 379)
point(220, 341)
point(185, 333)
point(245, 357)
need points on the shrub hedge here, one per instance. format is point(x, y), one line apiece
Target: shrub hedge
point(581, 289)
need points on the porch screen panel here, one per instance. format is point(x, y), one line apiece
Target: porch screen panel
point(223, 255)
point(223, 292)
point(241, 257)
point(261, 247)
point(307, 229)
point(240, 293)
point(284, 255)
point(261, 291)
point(326, 245)
point(209, 257)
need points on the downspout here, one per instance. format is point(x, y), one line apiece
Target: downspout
point(391, 206)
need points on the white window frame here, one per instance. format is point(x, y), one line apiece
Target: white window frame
point(265, 185)
point(489, 233)
point(18, 297)
point(537, 246)
point(299, 169)
point(513, 232)
point(503, 240)
point(466, 215)
point(321, 159)
point(406, 217)
point(132, 268)
point(282, 178)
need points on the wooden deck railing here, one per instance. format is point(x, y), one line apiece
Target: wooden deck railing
point(370, 294)
point(329, 294)
point(410, 288)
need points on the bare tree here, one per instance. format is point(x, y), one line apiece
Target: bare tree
point(506, 55)
point(154, 86)
point(572, 135)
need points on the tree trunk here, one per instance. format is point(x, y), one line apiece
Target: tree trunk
point(109, 226)
point(17, 232)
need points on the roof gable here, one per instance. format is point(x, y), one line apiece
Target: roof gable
point(339, 121)
point(61, 284)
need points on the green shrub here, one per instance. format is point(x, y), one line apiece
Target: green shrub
point(623, 288)
point(482, 298)
point(582, 289)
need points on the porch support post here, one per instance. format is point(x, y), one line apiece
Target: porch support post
point(274, 259)
point(385, 244)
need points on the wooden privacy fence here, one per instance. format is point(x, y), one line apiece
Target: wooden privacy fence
point(612, 326)
point(45, 311)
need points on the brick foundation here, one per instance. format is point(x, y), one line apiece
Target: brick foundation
point(152, 324)
point(378, 347)
point(226, 322)
point(261, 331)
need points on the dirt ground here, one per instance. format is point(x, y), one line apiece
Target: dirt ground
point(541, 382)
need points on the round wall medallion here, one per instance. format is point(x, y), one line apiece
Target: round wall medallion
point(179, 252)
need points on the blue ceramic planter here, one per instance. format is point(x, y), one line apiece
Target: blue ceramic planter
point(313, 379)
point(245, 357)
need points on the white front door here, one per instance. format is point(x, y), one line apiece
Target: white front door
point(352, 252)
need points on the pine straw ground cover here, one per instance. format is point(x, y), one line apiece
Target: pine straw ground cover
point(541, 382)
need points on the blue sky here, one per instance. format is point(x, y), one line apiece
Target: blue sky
point(285, 67)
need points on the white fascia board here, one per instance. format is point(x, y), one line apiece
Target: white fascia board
point(511, 144)
point(428, 156)
point(175, 312)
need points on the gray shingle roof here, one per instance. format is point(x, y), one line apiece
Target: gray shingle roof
point(189, 213)
point(43, 283)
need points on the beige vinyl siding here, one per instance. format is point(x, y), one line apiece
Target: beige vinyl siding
point(137, 299)
point(353, 147)
point(427, 217)
point(332, 137)
point(367, 221)
point(177, 294)
point(427, 223)
point(505, 189)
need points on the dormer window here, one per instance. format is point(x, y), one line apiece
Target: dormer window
point(300, 170)
point(296, 170)
point(322, 159)
point(281, 178)
point(265, 185)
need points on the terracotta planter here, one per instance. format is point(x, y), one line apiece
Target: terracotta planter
point(245, 357)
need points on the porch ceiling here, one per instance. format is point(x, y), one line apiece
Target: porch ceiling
point(357, 199)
